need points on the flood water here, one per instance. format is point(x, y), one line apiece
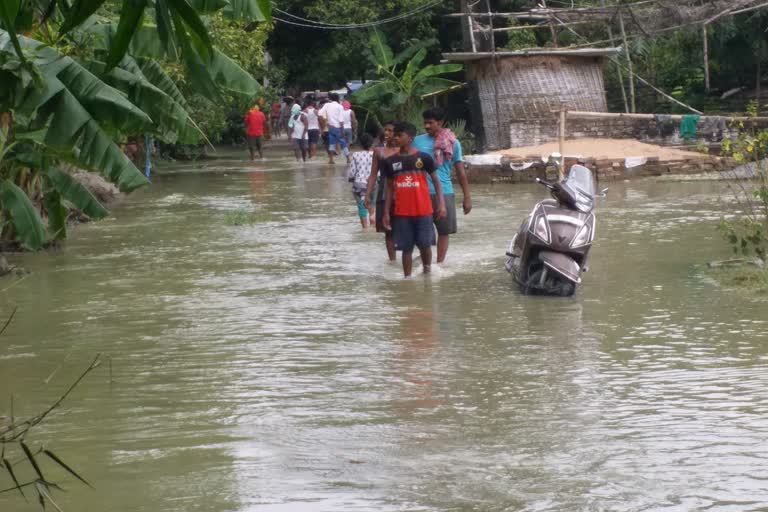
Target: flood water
point(287, 366)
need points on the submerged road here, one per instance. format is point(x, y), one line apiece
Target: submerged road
point(287, 366)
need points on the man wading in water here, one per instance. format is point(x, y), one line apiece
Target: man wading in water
point(407, 173)
point(332, 115)
point(381, 153)
point(443, 146)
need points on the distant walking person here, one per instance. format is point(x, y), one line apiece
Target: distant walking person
point(440, 143)
point(285, 114)
point(358, 173)
point(254, 126)
point(350, 122)
point(297, 126)
point(274, 118)
point(332, 115)
point(313, 127)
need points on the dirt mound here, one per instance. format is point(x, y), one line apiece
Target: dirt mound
point(105, 192)
point(603, 149)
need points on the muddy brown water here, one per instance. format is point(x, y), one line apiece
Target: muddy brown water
point(286, 366)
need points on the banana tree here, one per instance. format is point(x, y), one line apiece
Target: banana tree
point(402, 79)
point(58, 110)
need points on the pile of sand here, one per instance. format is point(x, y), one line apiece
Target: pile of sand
point(603, 149)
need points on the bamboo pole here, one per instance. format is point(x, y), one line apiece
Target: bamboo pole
point(551, 25)
point(576, 114)
point(618, 69)
point(629, 63)
point(561, 167)
point(705, 36)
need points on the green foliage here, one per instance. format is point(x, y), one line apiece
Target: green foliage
point(749, 278)
point(747, 229)
point(76, 99)
point(327, 59)
point(242, 218)
point(466, 138)
point(402, 80)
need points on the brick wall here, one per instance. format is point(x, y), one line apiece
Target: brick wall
point(711, 130)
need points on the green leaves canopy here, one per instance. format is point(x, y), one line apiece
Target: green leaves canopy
point(400, 89)
point(178, 21)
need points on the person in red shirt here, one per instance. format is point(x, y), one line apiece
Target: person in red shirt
point(407, 186)
point(254, 129)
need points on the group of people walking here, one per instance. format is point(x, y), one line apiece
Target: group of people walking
point(306, 124)
point(408, 178)
point(403, 183)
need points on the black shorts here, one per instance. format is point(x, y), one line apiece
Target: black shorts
point(300, 144)
point(314, 136)
point(413, 232)
point(254, 142)
point(380, 217)
point(446, 225)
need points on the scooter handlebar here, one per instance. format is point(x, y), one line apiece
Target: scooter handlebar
point(545, 183)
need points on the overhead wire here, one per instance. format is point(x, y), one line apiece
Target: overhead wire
point(320, 25)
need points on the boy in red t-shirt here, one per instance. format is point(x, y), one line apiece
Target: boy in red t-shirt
point(254, 125)
point(407, 187)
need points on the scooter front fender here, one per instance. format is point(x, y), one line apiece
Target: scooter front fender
point(562, 264)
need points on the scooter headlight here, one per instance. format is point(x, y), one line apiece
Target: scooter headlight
point(582, 238)
point(540, 229)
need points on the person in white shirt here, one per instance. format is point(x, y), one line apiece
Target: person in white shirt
point(332, 114)
point(313, 127)
point(298, 130)
point(350, 122)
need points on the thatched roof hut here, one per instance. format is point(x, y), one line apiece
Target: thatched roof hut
point(530, 88)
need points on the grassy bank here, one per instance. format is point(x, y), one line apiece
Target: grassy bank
point(747, 278)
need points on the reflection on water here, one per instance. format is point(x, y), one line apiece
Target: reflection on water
point(287, 366)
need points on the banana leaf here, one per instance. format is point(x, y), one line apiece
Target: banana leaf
point(412, 50)
point(25, 220)
point(9, 9)
point(380, 54)
point(80, 11)
point(438, 69)
point(412, 67)
point(157, 77)
point(249, 10)
point(57, 214)
point(131, 17)
point(431, 85)
point(71, 190)
point(171, 121)
point(83, 113)
point(208, 6)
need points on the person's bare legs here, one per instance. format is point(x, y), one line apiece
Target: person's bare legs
point(389, 241)
point(407, 263)
point(442, 247)
point(426, 258)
